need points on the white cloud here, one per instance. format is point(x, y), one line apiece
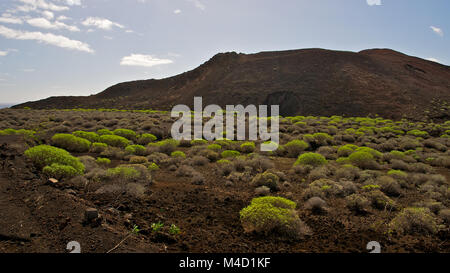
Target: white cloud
point(198, 4)
point(437, 30)
point(143, 60)
point(40, 4)
point(3, 53)
point(47, 38)
point(177, 11)
point(374, 2)
point(101, 23)
point(44, 23)
point(48, 14)
point(28, 70)
point(71, 2)
point(434, 60)
point(9, 19)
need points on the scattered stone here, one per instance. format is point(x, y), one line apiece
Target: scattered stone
point(90, 214)
point(52, 181)
point(228, 184)
point(71, 192)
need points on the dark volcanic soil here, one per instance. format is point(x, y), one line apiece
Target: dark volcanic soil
point(35, 217)
point(303, 82)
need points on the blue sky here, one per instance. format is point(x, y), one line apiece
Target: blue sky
point(81, 47)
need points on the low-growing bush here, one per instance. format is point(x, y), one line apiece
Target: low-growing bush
point(71, 143)
point(267, 179)
point(98, 147)
point(102, 132)
point(145, 139)
point(59, 171)
point(248, 147)
point(414, 221)
point(417, 133)
point(91, 136)
point(124, 172)
point(196, 142)
point(153, 167)
point(312, 159)
point(295, 147)
point(214, 147)
point(316, 205)
point(135, 149)
point(179, 154)
point(230, 154)
point(362, 159)
point(45, 155)
point(103, 161)
point(138, 160)
point(115, 141)
point(357, 203)
point(273, 215)
point(126, 133)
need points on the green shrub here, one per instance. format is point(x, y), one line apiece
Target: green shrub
point(145, 139)
point(267, 179)
point(397, 174)
point(126, 133)
point(248, 147)
point(295, 147)
point(273, 215)
point(153, 167)
point(197, 142)
point(124, 172)
point(59, 171)
point(417, 133)
point(223, 161)
point(71, 143)
point(214, 147)
point(91, 136)
point(361, 159)
point(369, 150)
point(102, 132)
point(346, 150)
point(115, 141)
point(178, 154)
point(135, 149)
point(370, 187)
point(98, 147)
point(414, 221)
point(230, 153)
point(45, 155)
point(166, 146)
point(312, 159)
point(103, 161)
point(343, 160)
point(23, 132)
point(138, 160)
point(322, 138)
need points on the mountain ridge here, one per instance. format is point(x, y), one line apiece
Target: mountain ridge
point(303, 82)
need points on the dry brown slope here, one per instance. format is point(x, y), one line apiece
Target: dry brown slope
point(302, 82)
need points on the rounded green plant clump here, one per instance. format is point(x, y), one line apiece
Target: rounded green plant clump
point(103, 161)
point(135, 149)
point(248, 147)
point(153, 167)
point(214, 147)
point(115, 141)
point(295, 147)
point(124, 172)
point(230, 154)
point(197, 142)
point(312, 159)
point(126, 133)
point(91, 136)
point(267, 179)
point(71, 143)
point(361, 158)
point(145, 139)
point(45, 155)
point(103, 132)
point(272, 215)
point(59, 171)
point(414, 221)
point(98, 147)
point(178, 154)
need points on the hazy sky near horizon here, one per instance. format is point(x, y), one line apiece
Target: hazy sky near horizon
point(81, 47)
